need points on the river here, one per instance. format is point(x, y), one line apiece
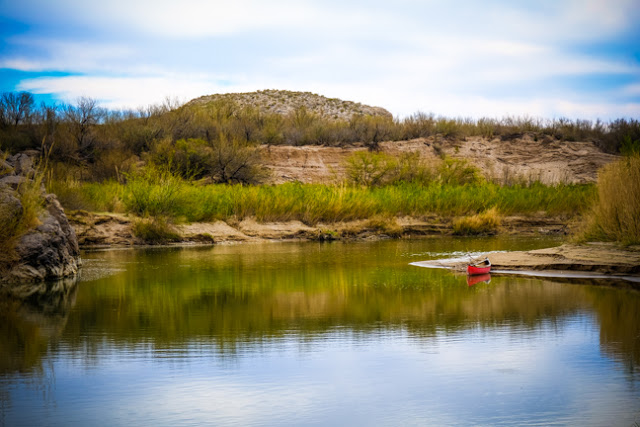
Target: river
point(320, 334)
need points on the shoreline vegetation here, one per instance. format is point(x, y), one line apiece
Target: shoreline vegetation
point(163, 168)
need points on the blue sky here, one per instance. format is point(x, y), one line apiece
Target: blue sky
point(576, 59)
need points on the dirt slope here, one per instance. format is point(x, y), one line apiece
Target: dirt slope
point(547, 160)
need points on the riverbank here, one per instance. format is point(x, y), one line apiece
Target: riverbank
point(602, 258)
point(116, 230)
point(588, 260)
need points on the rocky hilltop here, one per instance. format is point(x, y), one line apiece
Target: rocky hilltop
point(47, 251)
point(285, 102)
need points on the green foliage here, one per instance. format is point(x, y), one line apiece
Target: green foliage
point(152, 191)
point(313, 203)
point(630, 147)
point(373, 169)
point(370, 169)
point(155, 230)
point(458, 172)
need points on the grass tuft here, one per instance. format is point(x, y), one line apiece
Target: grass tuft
point(485, 223)
point(155, 231)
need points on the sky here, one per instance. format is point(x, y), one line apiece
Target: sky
point(578, 59)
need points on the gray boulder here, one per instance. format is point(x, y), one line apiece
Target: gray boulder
point(47, 252)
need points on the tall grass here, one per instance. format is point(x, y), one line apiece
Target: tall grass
point(314, 203)
point(486, 222)
point(616, 215)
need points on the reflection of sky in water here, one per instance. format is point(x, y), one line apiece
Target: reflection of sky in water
point(488, 376)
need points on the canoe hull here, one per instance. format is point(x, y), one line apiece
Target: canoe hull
point(474, 271)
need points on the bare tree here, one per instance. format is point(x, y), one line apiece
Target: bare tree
point(82, 117)
point(237, 162)
point(15, 108)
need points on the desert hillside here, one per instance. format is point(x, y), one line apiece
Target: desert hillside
point(285, 102)
point(523, 158)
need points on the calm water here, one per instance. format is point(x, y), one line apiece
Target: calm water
point(320, 334)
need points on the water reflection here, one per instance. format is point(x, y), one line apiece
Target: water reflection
point(312, 318)
point(34, 315)
point(479, 278)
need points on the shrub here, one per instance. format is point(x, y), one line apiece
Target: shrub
point(487, 222)
point(155, 230)
point(370, 169)
point(616, 215)
point(459, 171)
point(412, 168)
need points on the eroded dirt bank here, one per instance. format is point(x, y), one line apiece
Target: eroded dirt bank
point(95, 229)
point(525, 157)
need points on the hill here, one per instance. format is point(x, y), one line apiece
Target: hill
point(285, 102)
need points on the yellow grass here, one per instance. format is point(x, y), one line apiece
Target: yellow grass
point(616, 215)
point(486, 222)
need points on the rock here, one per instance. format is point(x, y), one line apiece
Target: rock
point(5, 168)
point(22, 163)
point(47, 252)
point(10, 207)
point(50, 251)
point(13, 181)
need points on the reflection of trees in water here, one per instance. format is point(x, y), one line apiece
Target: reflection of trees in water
point(618, 311)
point(307, 304)
point(238, 307)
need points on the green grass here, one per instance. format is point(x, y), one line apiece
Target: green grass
point(155, 231)
point(314, 203)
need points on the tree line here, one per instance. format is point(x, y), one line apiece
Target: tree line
point(222, 140)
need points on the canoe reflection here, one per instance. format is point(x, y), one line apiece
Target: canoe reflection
point(472, 280)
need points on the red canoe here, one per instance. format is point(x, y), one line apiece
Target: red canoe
point(482, 267)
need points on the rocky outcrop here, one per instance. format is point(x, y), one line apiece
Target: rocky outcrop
point(49, 251)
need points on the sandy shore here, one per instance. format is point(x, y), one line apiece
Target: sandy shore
point(589, 260)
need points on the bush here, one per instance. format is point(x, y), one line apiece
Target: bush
point(370, 169)
point(155, 231)
point(459, 172)
point(487, 222)
point(616, 215)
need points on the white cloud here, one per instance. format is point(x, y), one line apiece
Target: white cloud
point(401, 99)
point(123, 92)
point(474, 59)
point(63, 55)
